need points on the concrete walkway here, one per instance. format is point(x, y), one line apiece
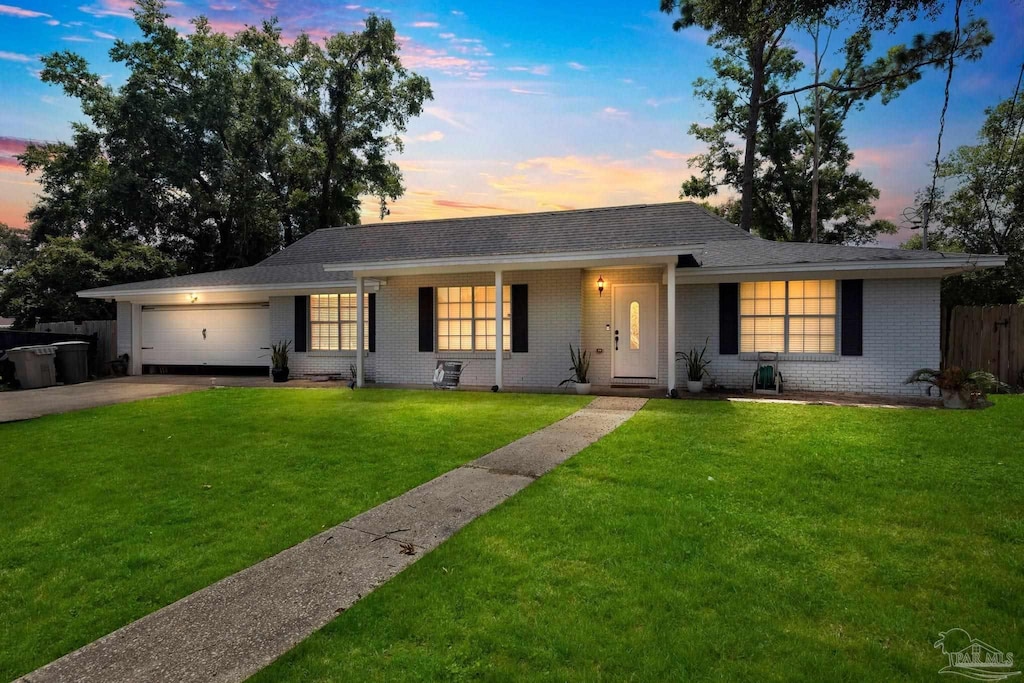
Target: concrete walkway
point(234, 628)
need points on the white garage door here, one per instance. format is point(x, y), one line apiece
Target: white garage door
point(206, 335)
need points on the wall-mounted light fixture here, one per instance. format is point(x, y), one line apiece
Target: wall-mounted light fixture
point(600, 285)
point(192, 298)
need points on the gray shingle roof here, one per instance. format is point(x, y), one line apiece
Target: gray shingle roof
point(605, 229)
point(754, 251)
point(554, 232)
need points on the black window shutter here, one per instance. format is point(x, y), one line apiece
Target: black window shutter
point(728, 318)
point(520, 319)
point(852, 323)
point(371, 314)
point(426, 318)
point(300, 342)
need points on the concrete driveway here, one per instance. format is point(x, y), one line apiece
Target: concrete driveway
point(25, 405)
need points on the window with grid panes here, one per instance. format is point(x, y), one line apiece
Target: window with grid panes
point(332, 321)
point(798, 316)
point(465, 318)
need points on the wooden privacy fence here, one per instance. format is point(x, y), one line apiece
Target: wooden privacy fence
point(987, 338)
point(106, 337)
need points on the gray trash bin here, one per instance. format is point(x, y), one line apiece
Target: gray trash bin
point(72, 361)
point(33, 365)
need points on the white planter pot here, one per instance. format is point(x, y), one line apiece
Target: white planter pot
point(582, 388)
point(953, 400)
point(694, 387)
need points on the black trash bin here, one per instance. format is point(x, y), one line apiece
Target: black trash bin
point(72, 361)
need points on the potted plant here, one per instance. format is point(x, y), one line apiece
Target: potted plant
point(279, 361)
point(959, 388)
point(696, 367)
point(580, 371)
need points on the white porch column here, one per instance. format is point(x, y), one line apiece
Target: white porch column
point(360, 337)
point(499, 332)
point(671, 280)
point(136, 359)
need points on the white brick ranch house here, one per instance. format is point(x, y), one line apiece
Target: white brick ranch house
point(630, 284)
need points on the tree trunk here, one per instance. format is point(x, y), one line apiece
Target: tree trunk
point(757, 67)
point(324, 213)
point(816, 154)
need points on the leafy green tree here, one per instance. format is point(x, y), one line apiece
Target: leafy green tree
point(217, 151)
point(14, 248)
point(785, 169)
point(354, 98)
point(753, 32)
point(220, 149)
point(42, 289)
point(985, 213)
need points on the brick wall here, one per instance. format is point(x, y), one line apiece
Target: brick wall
point(597, 314)
point(901, 334)
point(554, 323)
point(282, 327)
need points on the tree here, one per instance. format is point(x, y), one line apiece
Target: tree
point(354, 97)
point(220, 149)
point(42, 289)
point(754, 30)
point(985, 213)
point(794, 153)
point(216, 151)
point(14, 248)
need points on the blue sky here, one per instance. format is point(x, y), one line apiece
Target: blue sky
point(538, 105)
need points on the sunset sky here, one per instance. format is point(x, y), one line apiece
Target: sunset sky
point(538, 105)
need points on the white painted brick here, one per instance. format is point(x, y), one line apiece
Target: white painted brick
point(901, 334)
point(310, 363)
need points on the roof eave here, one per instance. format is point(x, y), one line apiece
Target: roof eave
point(539, 261)
point(109, 293)
point(949, 264)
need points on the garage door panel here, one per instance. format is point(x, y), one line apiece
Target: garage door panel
point(206, 336)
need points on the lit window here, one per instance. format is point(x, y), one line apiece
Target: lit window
point(812, 316)
point(465, 318)
point(332, 321)
point(797, 316)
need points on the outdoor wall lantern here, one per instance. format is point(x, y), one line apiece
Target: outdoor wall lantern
point(600, 285)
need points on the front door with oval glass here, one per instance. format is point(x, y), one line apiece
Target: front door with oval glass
point(635, 331)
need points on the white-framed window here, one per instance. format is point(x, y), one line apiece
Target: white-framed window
point(465, 318)
point(798, 316)
point(332, 322)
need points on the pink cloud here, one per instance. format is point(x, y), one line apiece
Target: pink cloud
point(110, 8)
point(469, 206)
point(524, 91)
point(425, 24)
point(12, 11)
point(417, 56)
point(432, 136)
point(613, 113)
point(668, 154)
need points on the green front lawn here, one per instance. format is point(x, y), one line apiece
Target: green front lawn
point(718, 541)
point(111, 513)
